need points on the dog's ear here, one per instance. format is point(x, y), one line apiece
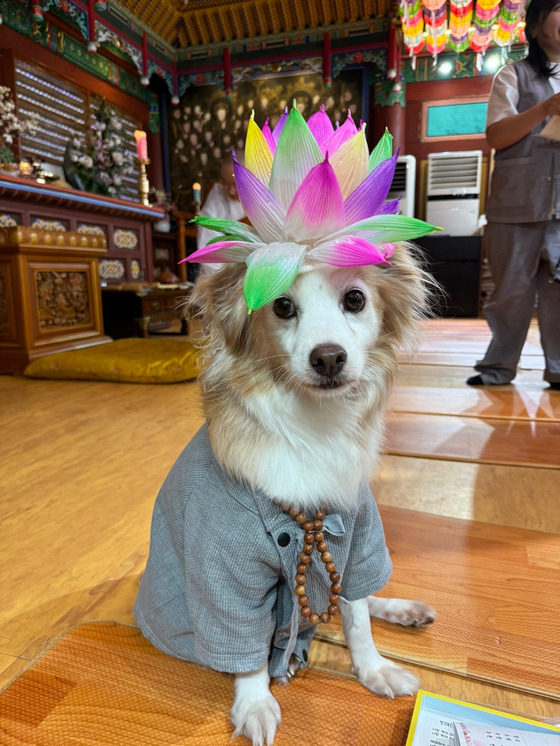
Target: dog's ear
point(218, 302)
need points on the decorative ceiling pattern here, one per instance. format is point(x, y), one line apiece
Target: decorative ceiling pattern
point(192, 23)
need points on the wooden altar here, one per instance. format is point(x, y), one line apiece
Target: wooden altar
point(125, 226)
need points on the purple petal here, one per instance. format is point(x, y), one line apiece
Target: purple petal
point(390, 208)
point(368, 198)
point(268, 136)
point(351, 251)
point(277, 131)
point(222, 251)
point(263, 210)
point(340, 135)
point(317, 208)
point(321, 127)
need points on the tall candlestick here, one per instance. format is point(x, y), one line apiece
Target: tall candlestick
point(143, 183)
point(141, 145)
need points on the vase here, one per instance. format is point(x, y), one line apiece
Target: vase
point(162, 226)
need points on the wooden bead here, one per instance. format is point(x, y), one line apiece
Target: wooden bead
point(325, 618)
point(301, 579)
point(319, 536)
point(308, 548)
point(333, 610)
point(306, 611)
point(309, 538)
point(322, 546)
point(334, 598)
point(330, 567)
point(334, 576)
point(308, 526)
point(302, 569)
point(301, 518)
point(304, 558)
point(300, 590)
point(326, 556)
point(303, 601)
point(293, 512)
point(318, 525)
point(336, 587)
point(320, 515)
point(314, 618)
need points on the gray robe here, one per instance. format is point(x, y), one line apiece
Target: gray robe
point(219, 583)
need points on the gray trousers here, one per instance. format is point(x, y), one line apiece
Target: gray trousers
point(525, 265)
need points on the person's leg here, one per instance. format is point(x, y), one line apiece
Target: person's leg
point(513, 253)
point(549, 303)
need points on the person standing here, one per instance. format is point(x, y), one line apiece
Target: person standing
point(522, 237)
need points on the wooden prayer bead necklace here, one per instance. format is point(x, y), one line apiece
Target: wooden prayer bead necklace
point(314, 535)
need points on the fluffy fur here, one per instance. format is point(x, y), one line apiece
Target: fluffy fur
point(294, 396)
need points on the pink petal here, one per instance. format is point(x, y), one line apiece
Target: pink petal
point(321, 127)
point(317, 208)
point(263, 210)
point(340, 135)
point(368, 198)
point(222, 251)
point(268, 136)
point(351, 251)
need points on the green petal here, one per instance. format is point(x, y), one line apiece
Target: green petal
point(388, 228)
point(382, 151)
point(270, 272)
point(231, 228)
point(296, 154)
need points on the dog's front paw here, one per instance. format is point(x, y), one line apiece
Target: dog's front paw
point(256, 719)
point(388, 680)
point(400, 611)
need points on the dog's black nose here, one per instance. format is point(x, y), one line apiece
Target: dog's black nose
point(328, 360)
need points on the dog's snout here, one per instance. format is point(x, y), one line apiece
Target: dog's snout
point(328, 360)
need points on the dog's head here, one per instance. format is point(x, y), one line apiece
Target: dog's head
point(334, 330)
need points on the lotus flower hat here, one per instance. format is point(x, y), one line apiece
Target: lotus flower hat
point(310, 191)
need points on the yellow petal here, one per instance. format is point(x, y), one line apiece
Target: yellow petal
point(350, 162)
point(258, 158)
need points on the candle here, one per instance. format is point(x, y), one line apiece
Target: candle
point(141, 145)
point(196, 191)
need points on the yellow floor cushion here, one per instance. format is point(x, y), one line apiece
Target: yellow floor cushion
point(125, 360)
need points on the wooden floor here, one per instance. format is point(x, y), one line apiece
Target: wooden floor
point(81, 464)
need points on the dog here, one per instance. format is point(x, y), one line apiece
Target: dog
point(294, 396)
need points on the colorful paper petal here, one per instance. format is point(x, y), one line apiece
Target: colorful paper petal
point(258, 158)
point(351, 251)
point(268, 136)
point(223, 251)
point(391, 207)
point(277, 131)
point(382, 151)
point(270, 272)
point(228, 228)
point(321, 127)
point(262, 209)
point(389, 228)
point(317, 208)
point(340, 135)
point(350, 162)
point(296, 154)
point(369, 196)
point(387, 249)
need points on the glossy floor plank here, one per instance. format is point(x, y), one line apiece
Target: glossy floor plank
point(494, 441)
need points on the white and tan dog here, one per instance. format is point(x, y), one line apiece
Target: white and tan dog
point(294, 396)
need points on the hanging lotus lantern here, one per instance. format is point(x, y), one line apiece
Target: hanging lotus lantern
point(460, 17)
point(435, 22)
point(485, 13)
point(412, 25)
point(509, 17)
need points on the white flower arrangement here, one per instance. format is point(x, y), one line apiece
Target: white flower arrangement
point(11, 126)
point(99, 161)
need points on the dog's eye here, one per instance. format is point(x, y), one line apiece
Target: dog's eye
point(354, 301)
point(284, 308)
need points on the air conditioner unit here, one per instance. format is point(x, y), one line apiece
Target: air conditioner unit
point(453, 192)
point(403, 184)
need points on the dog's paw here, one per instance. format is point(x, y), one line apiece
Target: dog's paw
point(400, 611)
point(257, 719)
point(389, 680)
point(293, 667)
